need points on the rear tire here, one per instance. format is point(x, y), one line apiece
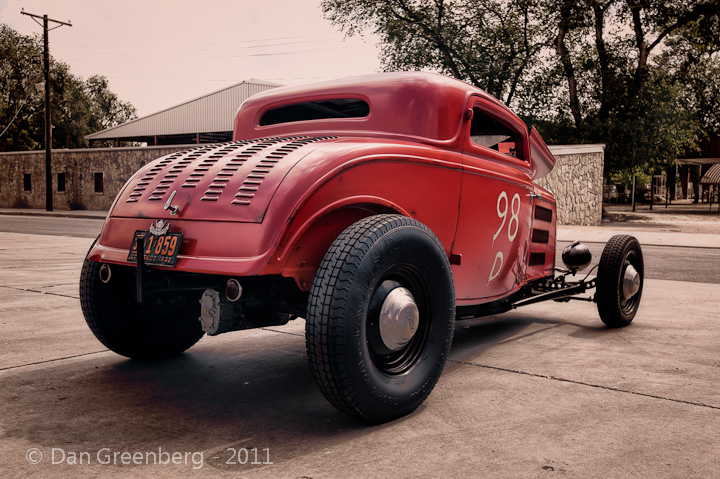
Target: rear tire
point(622, 256)
point(165, 326)
point(369, 360)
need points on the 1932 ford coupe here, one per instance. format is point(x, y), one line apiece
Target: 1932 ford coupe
point(380, 209)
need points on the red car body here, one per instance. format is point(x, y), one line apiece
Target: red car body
point(271, 202)
point(380, 209)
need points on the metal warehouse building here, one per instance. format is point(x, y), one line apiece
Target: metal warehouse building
point(207, 119)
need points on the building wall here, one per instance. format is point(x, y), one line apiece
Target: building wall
point(79, 166)
point(576, 180)
point(577, 183)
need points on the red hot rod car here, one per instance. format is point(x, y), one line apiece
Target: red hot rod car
point(380, 209)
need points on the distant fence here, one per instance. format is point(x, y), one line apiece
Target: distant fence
point(91, 178)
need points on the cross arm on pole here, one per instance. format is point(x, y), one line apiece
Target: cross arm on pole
point(42, 17)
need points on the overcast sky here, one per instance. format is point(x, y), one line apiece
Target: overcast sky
point(158, 53)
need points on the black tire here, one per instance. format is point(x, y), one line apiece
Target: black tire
point(164, 327)
point(615, 307)
point(352, 364)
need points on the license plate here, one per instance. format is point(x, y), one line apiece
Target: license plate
point(159, 249)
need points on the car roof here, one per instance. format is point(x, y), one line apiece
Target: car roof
point(424, 106)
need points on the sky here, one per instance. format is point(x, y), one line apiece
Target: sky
point(159, 53)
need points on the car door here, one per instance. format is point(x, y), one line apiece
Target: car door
point(495, 206)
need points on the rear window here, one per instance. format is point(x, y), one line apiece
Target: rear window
point(316, 110)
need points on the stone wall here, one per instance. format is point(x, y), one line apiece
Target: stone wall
point(577, 183)
point(576, 180)
point(93, 176)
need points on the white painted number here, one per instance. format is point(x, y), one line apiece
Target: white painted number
point(514, 217)
point(501, 214)
point(512, 230)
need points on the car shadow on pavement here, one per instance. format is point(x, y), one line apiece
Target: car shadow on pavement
point(473, 336)
point(217, 398)
point(213, 400)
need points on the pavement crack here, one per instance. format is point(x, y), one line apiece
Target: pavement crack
point(52, 360)
point(27, 290)
point(283, 332)
point(581, 383)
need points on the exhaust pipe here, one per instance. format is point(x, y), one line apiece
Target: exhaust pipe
point(233, 290)
point(105, 273)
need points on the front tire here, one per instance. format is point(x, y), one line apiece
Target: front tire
point(163, 327)
point(620, 281)
point(380, 318)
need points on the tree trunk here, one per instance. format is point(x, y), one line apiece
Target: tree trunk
point(604, 60)
point(566, 61)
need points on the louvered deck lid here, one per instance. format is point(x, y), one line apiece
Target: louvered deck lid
point(232, 181)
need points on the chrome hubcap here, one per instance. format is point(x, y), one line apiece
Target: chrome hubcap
point(399, 316)
point(631, 282)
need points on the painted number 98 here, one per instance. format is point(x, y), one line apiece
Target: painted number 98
point(502, 212)
point(502, 206)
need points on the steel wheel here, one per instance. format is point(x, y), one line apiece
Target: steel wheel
point(620, 281)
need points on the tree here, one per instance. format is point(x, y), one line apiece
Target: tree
point(628, 73)
point(488, 43)
point(614, 57)
point(78, 107)
point(20, 100)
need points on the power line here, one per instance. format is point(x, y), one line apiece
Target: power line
point(169, 49)
point(229, 44)
point(153, 58)
point(22, 104)
point(153, 53)
point(203, 80)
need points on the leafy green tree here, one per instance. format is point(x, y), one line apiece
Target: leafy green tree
point(20, 100)
point(614, 57)
point(637, 75)
point(78, 107)
point(488, 43)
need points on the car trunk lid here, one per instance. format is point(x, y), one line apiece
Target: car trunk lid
point(232, 181)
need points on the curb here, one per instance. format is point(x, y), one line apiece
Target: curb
point(95, 215)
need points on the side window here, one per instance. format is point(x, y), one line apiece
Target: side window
point(490, 133)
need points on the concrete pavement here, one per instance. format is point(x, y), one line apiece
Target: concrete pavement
point(682, 224)
point(543, 391)
point(601, 234)
point(101, 215)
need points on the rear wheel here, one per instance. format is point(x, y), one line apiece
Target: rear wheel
point(165, 325)
point(620, 281)
point(380, 318)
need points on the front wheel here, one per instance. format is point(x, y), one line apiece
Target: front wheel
point(620, 281)
point(380, 318)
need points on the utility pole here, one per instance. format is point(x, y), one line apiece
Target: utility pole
point(48, 124)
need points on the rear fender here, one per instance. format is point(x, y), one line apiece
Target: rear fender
point(412, 187)
point(301, 255)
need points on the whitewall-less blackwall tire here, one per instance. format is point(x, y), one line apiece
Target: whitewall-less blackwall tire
point(380, 318)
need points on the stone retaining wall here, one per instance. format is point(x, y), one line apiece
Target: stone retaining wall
point(577, 183)
point(93, 176)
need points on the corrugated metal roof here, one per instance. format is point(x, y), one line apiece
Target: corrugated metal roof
point(213, 112)
point(711, 176)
